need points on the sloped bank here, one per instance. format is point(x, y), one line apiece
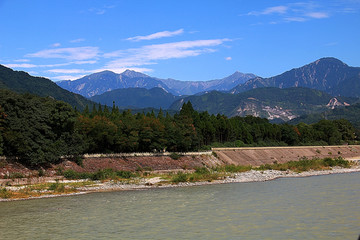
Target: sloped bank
point(268, 155)
point(16, 174)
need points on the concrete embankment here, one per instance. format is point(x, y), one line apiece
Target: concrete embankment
point(268, 155)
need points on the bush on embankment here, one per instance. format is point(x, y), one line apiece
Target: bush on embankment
point(307, 164)
point(99, 175)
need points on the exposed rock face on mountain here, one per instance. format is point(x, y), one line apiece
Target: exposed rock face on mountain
point(327, 74)
point(101, 82)
point(334, 102)
point(136, 98)
point(270, 103)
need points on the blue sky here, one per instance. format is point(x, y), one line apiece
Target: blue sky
point(184, 40)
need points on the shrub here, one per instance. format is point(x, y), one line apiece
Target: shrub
point(179, 177)
point(57, 187)
point(125, 174)
point(202, 170)
point(175, 156)
point(4, 193)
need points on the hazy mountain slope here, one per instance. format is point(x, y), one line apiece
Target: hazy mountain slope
point(193, 87)
point(22, 82)
point(136, 98)
point(271, 103)
point(101, 82)
point(326, 74)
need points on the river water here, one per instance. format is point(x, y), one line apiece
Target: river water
point(321, 207)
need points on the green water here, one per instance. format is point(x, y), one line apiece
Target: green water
point(324, 207)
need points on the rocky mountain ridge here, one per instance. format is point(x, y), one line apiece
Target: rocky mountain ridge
point(326, 74)
point(98, 83)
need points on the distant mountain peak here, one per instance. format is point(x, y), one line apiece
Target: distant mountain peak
point(328, 60)
point(132, 74)
point(327, 74)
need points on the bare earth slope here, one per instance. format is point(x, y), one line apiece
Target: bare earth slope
point(268, 155)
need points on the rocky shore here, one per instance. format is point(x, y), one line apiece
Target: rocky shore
point(158, 182)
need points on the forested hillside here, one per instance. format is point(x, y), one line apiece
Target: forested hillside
point(136, 98)
point(22, 82)
point(270, 103)
point(38, 131)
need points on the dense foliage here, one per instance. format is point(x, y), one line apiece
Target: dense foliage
point(40, 130)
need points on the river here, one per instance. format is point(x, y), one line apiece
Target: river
point(319, 207)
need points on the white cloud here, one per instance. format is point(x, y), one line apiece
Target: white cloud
point(22, 60)
point(228, 58)
point(56, 45)
point(20, 65)
point(67, 71)
point(270, 10)
point(295, 19)
point(317, 15)
point(293, 12)
point(157, 35)
point(100, 11)
point(67, 77)
point(77, 40)
point(121, 70)
point(79, 53)
point(29, 65)
point(150, 54)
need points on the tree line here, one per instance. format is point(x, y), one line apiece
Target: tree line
point(37, 131)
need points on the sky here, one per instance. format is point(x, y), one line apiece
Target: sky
point(184, 40)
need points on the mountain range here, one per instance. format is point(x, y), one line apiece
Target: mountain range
point(98, 83)
point(324, 84)
point(271, 103)
point(326, 74)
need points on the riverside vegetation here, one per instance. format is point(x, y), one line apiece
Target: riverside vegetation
point(38, 131)
point(200, 174)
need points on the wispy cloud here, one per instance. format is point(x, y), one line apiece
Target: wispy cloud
point(22, 60)
point(67, 71)
point(228, 58)
point(67, 77)
point(150, 54)
point(136, 59)
point(270, 10)
point(293, 12)
point(317, 15)
point(20, 65)
point(157, 35)
point(101, 10)
point(56, 45)
point(121, 70)
point(80, 53)
point(29, 65)
point(77, 40)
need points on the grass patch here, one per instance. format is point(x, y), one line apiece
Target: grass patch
point(232, 168)
point(307, 164)
point(201, 174)
point(99, 175)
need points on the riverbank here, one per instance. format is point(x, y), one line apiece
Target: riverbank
point(84, 187)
